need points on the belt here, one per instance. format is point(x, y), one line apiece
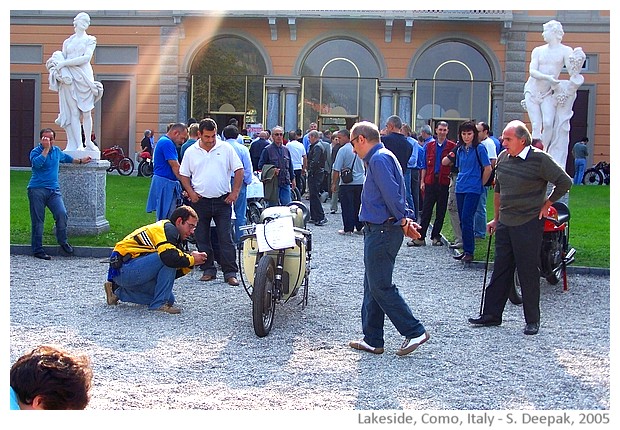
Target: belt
point(223, 196)
point(390, 221)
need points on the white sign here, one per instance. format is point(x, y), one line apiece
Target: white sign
point(276, 234)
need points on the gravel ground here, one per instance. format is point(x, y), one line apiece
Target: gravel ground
point(208, 357)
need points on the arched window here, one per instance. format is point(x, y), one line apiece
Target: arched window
point(339, 84)
point(453, 83)
point(227, 81)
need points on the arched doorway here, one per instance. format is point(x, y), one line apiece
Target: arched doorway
point(339, 84)
point(452, 83)
point(227, 81)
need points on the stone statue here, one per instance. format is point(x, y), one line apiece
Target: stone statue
point(548, 100)
point(71, 75)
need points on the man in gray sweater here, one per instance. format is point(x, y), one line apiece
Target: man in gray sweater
point(520, 203)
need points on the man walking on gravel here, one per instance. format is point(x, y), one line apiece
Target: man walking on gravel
point(386, 216)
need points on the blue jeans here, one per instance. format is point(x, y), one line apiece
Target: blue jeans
point(409, 196)
point(146, 280)
point(480, 220)
point(285, 194)
point(467, 204)
point(220, 211)
point(39, 198)
point(381, 297)
point(350, 202)
point(580, 168)
point(241, 205)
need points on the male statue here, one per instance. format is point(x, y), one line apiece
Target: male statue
point(548, 100)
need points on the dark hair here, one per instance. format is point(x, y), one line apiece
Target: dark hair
point(230, 132)
point(47, 130)
point(63, 380)
point(471, 126)
point(177, 126)
point(485, 126)
point(184, 212)
point(207, 124)
point(344, 132)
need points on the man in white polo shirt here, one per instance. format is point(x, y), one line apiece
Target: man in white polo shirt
point(205, 172)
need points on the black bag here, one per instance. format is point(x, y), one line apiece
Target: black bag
point(346, 174)
point(491, 180)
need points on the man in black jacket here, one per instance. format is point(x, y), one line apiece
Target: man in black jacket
point(316, 174)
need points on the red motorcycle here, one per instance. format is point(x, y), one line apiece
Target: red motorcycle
point(145, 166)
point(555, 252)
point(118, 161)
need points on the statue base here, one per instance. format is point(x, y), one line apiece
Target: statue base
point(83, 189)
point(81, 153)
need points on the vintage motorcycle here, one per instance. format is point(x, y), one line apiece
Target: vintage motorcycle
point(145, 166)
point(275, 259)
point(116, 156)
point(597, 175)
point(555, 252)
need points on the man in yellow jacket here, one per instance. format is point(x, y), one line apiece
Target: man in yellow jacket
point(144, 265)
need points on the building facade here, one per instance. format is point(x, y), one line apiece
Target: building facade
point(290, 68)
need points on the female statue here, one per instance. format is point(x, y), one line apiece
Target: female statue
point(71, 75)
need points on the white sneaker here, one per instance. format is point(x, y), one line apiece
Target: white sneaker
point(411, 344)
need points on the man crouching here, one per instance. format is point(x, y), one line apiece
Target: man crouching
point(144, 265)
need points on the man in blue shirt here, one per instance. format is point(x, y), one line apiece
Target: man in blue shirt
point(231, 132)
point(44, 191)
point(385, 215)
point(165, 192)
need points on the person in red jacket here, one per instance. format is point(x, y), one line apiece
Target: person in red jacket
point(435, 185)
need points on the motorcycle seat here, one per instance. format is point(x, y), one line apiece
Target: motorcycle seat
point(563, 212)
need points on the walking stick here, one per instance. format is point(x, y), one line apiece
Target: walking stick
point(486, 269)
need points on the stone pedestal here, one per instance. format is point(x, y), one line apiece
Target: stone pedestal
point(83, 189)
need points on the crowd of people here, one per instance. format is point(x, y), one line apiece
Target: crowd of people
point(367, 171)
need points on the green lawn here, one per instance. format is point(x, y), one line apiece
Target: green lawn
point(125, 211)
point(126, 202)
point(589, 226)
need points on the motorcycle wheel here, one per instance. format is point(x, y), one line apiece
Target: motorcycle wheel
point(125, 166)
point(296, 194)
point(514, 295)
point(302, 185)
point(253, 212)
point(145, 168)
point(263, 296)
point(592, 177)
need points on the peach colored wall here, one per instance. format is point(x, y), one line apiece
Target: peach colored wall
point(284, 53)
point(146, 72)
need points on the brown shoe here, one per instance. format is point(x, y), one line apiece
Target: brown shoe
point(363, 346)
point(232, 281)
point(411, 344)
point(169, 309)
point(207, 277)
point(111, 298)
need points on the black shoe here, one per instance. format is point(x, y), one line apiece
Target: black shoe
point(42, 256)
point(67, 248)
point(485, 320)
point(322, 222)
point(459, 256)
point(531, 328)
